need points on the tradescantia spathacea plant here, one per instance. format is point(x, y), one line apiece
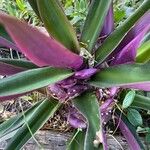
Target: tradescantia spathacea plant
point(90, 72)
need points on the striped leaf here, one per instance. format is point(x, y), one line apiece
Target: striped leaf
point(57, 23)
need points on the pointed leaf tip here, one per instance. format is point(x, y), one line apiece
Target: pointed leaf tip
point(111, 43)
point(31, 80)
point(129, 132)
point(94, 22)
point(134, 76)
point(57, 23)
point(39, 48)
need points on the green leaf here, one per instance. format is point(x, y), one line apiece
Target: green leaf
point(143, 53)
point(147, 138)
point(4, 33)
point(33, 4)
point(94, 22)
point(42, 113)
point(128, 99)
point(19, 63)
point(87, 104)
point(125, 75)
point(31, 80)
point(141, 102)
point(130, 132)
point(4, 127)
point(11, 126)
point(57, 23)
point(134, 117)
point(115, 38)
point(77, 141)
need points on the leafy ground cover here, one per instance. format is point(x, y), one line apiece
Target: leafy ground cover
point(76, 12)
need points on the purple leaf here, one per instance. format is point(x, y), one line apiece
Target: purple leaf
point(58, 92)
point(11, 97)
point(133, 34)
point(140, 86)
point(76, 122)
point(68, 83)
point(108, 26)
point(106, 110)
point(129, 133)
point(113, 91)
point(39, 48)
point(76, 119)
point(105, 145)
point(128, 53)
point(8, 44)
point(106, 106)
point(76, 90)
point(7, 69)
point(85, 73)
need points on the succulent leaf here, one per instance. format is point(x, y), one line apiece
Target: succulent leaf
point(39, 48)
point(94, 22)
point(38, 118)
point(129, 132)
point(30, 80)
point(111, 43)
point(57, 24)
point(134, 76)
point(88, 106)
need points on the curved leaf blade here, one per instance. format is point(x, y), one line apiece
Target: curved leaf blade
point(127, 75)
point(137, 29)
point(5, 39)
point(4, 34)
point(87, 104)
point(19, 63)
point(57, 23)
point(128, 53)
point(108, 26)
point(39, 48)
point(5, 43)
point(31, 80)
point(129, 132)
point(94, 22)
point(115, 38)
point(42, 113)
point(14, 123)
point(77, 142)
point(8, 69)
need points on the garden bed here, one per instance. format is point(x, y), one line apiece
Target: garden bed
point(50, 140)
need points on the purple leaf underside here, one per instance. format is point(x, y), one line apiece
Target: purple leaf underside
point(7, 44)
point(7, 69)
point(4, 98)
point(133, 144)
point(132, 40)
point(128, 53)
point(108, 26)
point(39, 48)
